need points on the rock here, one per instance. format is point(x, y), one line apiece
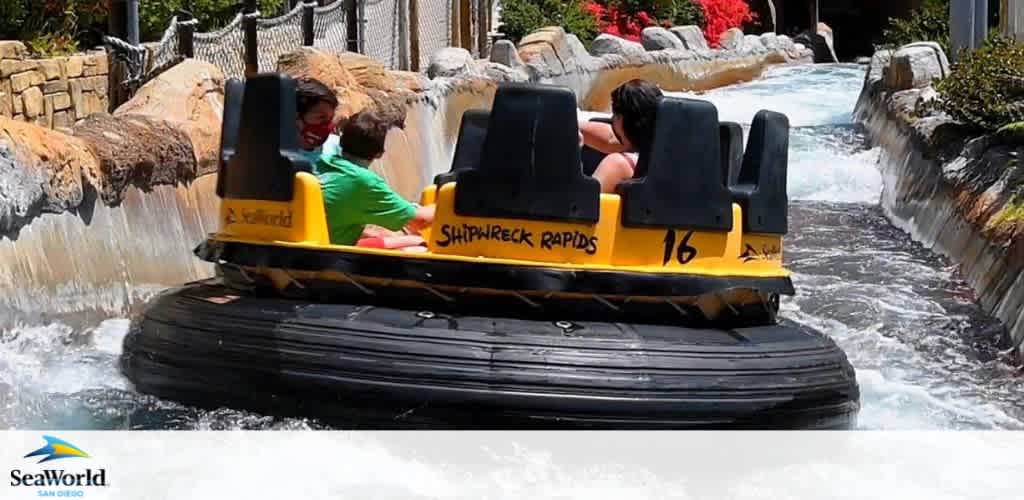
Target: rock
point(55, 86)
point(770, 41)
point(606, 44)
point(51, 69)
point(691, 36)
point(449, 62)
point(190, 97)
point(927, 101)
point(62, 120)
point(752, 44)
point(61, 101)
point(22, 81)
point(732, 39)
point(501, 73)
point(42, 171)
point(311, 63)
point(367, 71)
point(505, 52)
point(74, 66)
point(915, 66)
point(136, 150)
point(548, 50)
point(1012, 134)
point(409, 80)
point(826, 32)
point(658, 38)
point(33, 102)
point(786, 43)
point(879, 62)
point(10, 49)
point(577, 51)
point(9, 67)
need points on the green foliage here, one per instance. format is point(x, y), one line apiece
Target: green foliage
point(53, 27)
point(930, 23)
point(154, 16)
point(985, 89)
point(521, 17)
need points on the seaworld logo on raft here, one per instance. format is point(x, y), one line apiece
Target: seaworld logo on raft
point(549, 240)
point(283, 218)
point(56, 449)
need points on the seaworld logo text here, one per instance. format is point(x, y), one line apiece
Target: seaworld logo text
point(283, 218)
point(57, 449)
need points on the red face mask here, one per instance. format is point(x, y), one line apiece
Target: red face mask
point(319, 133)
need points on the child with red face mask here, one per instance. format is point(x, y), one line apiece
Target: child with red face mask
point(316, 105)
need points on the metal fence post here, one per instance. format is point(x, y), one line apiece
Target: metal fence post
point(252, 59)
point(465, 25)
point(453, 41)
point(482, 13)
point(403, 35)
point(414, 35)
point(186, 34)
point(352, 24)
point(308, 35)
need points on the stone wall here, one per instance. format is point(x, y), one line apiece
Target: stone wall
point(53, 93)
point(947, 186)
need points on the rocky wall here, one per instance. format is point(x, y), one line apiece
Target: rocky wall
point(950, 188)
point(52, 93)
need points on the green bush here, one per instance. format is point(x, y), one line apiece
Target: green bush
point(930, 23)
point(53, 27)
point(521, 17)
point(985, 89)
point(154, 16)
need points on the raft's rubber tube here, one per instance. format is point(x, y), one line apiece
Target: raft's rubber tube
point(368, 367)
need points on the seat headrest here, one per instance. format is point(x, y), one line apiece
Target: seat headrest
point(468, 146)
point(683, 186)
point(761, 183)
point(266, 155)
point(530, 162)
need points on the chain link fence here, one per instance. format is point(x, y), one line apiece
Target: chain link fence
point(401, 34)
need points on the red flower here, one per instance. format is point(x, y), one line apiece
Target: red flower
point(723, 15)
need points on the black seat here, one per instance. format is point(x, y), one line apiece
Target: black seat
point(265, 139)
point(761, 185)
point(731, 136)
point(530, 163)
point(683, 186)
point(468, 146)
point(234, 90)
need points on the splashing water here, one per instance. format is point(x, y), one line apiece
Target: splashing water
point(926, 356)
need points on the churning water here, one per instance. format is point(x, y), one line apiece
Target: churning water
point(926, 356)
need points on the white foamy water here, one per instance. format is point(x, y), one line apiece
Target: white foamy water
point(926, 356)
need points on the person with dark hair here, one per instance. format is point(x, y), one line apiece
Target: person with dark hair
point(316, 105)
point(634, 110)
point(354, 196)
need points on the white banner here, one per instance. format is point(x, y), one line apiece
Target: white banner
point(512, 465)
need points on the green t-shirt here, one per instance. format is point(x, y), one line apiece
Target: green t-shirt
point(354, 197)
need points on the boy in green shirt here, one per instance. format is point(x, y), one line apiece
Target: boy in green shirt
point(354, 196)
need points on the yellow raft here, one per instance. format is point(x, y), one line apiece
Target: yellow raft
point(519, 228)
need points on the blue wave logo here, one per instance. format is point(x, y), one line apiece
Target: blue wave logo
point(55, 449)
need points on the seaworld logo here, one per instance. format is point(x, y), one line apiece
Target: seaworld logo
point(56, 449)
point(283, 218)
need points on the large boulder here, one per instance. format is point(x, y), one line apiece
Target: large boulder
point(915, 66)
point(409, 80)
point(548, 49)
point(329, 69)
point(505, 52)
point(826, 33)
point(449, 62)
point(190, 97)
point(732, 39)
point(41, 170)
point(658, 38)
point(691, 36)
point(315, 64)
point(136, 150)
point(367, 71)
point(752, 44)
point(606, 44)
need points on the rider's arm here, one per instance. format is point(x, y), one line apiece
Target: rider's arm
point(599, 136)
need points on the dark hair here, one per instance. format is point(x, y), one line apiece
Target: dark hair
point(637, 102)
point(310, 92)
point(364, 135)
